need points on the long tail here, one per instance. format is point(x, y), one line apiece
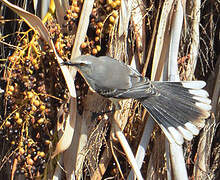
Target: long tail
point(180, 108)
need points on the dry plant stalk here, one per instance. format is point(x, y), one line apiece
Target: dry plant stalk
point(202, 169)
point(194, 47)
point(75, 164)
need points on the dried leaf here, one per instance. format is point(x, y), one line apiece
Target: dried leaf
point(139, 30)
point(61, 7)
point(161, 41)
point(125, 14)
point(82, 27)
point(66, 139)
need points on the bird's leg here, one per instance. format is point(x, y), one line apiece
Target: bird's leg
point(115, 104)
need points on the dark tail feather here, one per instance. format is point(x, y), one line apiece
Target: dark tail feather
point(180, 108)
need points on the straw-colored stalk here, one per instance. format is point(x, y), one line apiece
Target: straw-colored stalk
point(75, 163)
point(176, 151)
point(195, 35)
point(202, 168)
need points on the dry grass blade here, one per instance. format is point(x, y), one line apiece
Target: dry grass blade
point(139, 30)
point(67, 136)
point(61, 7)
point(142, 147)
point(176, 28)
point(194, 47)
point(120, 120)
point(100, 171)
point(151, 43)
point(128, 151)
point(35, 2)
point(82, 27)
point(202, 161)
point(216, 92)
point(157, 160)
point(177, 160)
point(161, 41)
point(125, 13)
point(168, 161)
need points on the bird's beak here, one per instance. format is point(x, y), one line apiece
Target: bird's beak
point(68, 63)
point(79, 61)
point(75, 63)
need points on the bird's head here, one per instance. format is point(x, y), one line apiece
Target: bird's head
point(85, 65)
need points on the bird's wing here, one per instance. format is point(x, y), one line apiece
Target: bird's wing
point(115, 79)
point(137, 91)
point(140, 87)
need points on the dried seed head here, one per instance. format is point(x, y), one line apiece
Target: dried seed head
point(30, 161)
point(19, 121)
point(98, 47)
point(94, 51)
point(112, 19)
point(83, 45)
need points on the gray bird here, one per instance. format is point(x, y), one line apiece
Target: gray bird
point(179, 108)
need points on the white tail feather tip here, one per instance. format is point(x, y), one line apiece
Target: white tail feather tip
point(176, 135)
point(203, 106)
point(200, 92)
point(186, 133)
point(194, 84)
point(192, 128)
point(202, 99)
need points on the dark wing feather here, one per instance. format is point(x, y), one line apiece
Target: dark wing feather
point(139, 87)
